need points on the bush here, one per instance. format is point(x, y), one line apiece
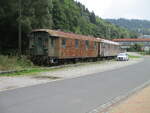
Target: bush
point(135, 48)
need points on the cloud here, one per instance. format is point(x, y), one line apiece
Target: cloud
point(98, 6)
point(119, 8)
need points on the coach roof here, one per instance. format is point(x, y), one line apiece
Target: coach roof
point(109, 42)
point(66, 35)
point(132, 40)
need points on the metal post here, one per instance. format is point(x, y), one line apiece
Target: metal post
point(109, 33)
point(19, 30)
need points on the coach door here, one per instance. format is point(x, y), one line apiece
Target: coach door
point(102, 49)
point(39, 45)
point(52, 46)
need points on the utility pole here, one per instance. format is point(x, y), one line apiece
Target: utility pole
point(109, 32)
point(19, 31)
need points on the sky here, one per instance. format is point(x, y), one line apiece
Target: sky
point(130, 9)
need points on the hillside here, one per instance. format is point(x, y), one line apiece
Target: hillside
point(139, 26)
point(65, 15)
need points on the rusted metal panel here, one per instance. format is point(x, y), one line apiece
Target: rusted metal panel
point(70, 51)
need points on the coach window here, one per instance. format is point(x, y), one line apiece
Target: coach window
point(87, 44)
point(104, 45)
point(63, 43)
point(77, 43)
point(95, 45)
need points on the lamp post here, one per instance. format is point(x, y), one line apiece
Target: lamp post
point(19, 30)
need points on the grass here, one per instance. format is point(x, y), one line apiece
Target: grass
point(21, 66)
point(27, 68)
point(31, 71)
point(131, 56)
point(145, 53)
point(14, 63)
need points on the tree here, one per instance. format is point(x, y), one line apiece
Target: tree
point(136, 47)
point(35, 14)
point(92, 18)
point(66, 15)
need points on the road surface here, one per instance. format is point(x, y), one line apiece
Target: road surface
point(78, 95)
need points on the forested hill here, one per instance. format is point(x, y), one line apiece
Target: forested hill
point(65, 15)
point(139, 26)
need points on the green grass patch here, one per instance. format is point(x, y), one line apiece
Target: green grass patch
point(145, 53)
point(28, 72)
point(131, 56)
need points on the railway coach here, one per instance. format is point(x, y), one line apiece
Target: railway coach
point(53, 47)
point(109, 49)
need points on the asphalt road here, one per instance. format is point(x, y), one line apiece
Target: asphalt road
point(78, 95)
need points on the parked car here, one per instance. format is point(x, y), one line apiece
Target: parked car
point(122, 57)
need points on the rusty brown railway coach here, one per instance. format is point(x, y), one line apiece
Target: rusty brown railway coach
point(51, 46)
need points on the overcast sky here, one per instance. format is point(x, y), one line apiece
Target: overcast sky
point(131, 9)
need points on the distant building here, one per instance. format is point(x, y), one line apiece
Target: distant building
point(144, 36)
point(128, 42)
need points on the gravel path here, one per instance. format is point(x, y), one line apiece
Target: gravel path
point(7, 83)
point(78, 71)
